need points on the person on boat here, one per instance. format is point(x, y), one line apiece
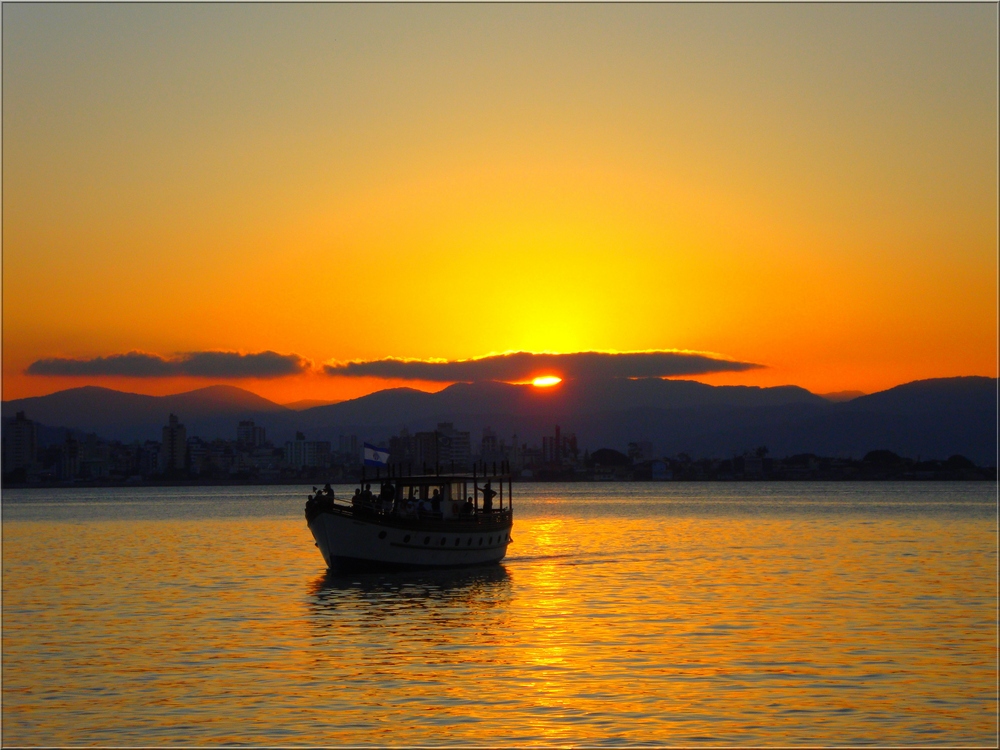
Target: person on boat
point(436, 503)
point(328, 490)
point(367, 496)
point(357, 499)
point(386, 498)
point(468, 509)
point(488, 494)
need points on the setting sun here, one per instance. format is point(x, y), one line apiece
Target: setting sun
point(546, 381)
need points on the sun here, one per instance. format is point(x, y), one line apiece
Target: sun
point(545, 381)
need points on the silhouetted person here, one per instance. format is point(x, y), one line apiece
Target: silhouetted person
point(488, 495)
point(385, 496)
point(468, 509)
point(436, 502)
point(328, 490)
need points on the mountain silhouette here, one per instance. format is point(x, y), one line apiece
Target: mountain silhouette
point(929, 418)
point(114, 415)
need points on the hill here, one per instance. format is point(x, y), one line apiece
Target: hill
point(209, 412)
point(929, 418)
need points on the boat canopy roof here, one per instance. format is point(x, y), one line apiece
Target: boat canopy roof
point(435, 479)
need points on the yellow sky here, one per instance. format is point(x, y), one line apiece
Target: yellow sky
point(810, 187)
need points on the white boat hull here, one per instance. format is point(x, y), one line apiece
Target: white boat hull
point(352, 541)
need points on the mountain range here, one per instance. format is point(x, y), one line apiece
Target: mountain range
point(927, 418)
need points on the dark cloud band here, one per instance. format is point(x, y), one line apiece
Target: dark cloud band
point(519, 366)
point(193, 364)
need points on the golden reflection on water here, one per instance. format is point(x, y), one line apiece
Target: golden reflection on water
point(627, 628)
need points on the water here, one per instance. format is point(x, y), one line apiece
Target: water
point(678, 614)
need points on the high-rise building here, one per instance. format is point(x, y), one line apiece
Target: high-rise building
point(427, 454)
point(454, 447)
point(402, 451)
point(197, 451)
point(70, 463)
point(250, 435)
point(149, 458)
point(20, 443)
point(489, 449)
point(349, 448)
point(442, 449)
point(174, 452)
point(559, 449)
point(301, 453)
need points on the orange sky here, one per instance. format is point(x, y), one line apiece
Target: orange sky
point(809, 187)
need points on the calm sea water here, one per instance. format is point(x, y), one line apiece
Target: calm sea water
point(678, 614)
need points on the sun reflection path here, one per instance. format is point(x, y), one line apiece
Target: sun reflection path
point(603, 625)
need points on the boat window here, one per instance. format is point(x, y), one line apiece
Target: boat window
point(443, 540)
point(457, 541)
point(381, 535)
point(480, 540)
point(469, 543)
point(406, 538)
point(427, 540)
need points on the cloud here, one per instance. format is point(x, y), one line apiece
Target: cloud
point(192, 364)
point(522, 366)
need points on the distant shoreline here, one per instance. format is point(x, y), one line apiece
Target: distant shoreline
point(986, 476)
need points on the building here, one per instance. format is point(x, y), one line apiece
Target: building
point(250, 435)
point(149, 458)
point(174, 453)
point(489, 447)
point(93, 461)
point(559, 449)
point(69, 465)
point(222, 459)
point(426, 453)
point(493, 450)
point(349, 449)
point(455, 447)
point(444, 448)
point(402, 449)
point(266, 461)
point(20, 444)
point(301, 453)
point(197, 453)
point(123, 459)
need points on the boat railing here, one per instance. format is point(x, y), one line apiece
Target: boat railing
point(364, 503)
point(347, 508)
point(431, 474)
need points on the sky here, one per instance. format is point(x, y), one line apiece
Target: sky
point(261, 194)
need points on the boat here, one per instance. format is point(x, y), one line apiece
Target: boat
point(415, 521)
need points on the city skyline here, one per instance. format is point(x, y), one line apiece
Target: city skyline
point(259, 195)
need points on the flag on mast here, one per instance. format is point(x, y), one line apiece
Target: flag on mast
point(375, 456)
